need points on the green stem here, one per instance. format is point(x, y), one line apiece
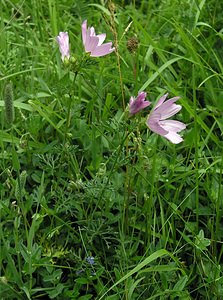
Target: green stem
point(70, 99)
point(69, 111)
point(196, 143)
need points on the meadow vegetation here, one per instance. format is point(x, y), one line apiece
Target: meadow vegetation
point(94, 205)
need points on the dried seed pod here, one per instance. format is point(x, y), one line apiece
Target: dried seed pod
point(132, 44)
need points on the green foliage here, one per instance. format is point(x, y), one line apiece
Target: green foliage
point(80, 179)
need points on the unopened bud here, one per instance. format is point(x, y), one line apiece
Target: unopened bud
point(66, 61)
point(73, 60)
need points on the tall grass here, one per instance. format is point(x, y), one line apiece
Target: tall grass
point(93, 204)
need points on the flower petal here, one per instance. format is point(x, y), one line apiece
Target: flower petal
point(138, 103)
point(94, 43)
point(92, 31)
point(141, 96)
point(131, 100)
point(168, 110)
point(161, 100)
point(172, 125)
point(158, 122)
point(63, 42)
point(102, 50)
point(153, 124)
point(173, 137)
point(84, 31)
point(91, 43)
point(101, 38)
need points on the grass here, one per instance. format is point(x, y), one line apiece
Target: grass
point(80, 179)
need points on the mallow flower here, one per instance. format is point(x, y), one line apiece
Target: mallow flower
point(93, 43)
point(63, 42)
point(138, 103)
point(158, 119)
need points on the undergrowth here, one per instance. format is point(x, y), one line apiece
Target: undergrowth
point(93, 204)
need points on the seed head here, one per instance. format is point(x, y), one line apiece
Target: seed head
point(132, 44)
point(9, 106)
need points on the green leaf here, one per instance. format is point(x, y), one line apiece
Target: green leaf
point(15, 160)
point(146, 261)
point(180, 285)
point(56, 291)
point(158, 72)
point(86, 297)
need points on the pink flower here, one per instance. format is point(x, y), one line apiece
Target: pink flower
point(93, 43)
point(138, 103)
point(158, 123)
point(63, 42)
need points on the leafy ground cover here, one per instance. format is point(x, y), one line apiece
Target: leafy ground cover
point(94, 205)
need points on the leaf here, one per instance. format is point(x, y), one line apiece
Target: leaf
point(146, 261)
point(20, 105)
point(86, 297)
point(56, 291)
point(159, 71)
point(45, 112)
point(133, 286)
point(102, 8)
point(15, 160)
point(180, 285)
point(201, 242)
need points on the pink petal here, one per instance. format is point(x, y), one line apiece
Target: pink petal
point(167, 112)
point(92, 31)
point(144, 104)
point(168, 128)
point(102, 50)
point(161, 100)
point(174, 99)
point(173, 137)
point(153, 124)
point(91, 43)
point(101, 38)
point(135, 106)
point(84, 31)
point(131, 101)
point(166, 104)
point(138, 103)
point(162, 106)
point(158, 129)
point(172, 125)
point(63, 42)
point(141, 96)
